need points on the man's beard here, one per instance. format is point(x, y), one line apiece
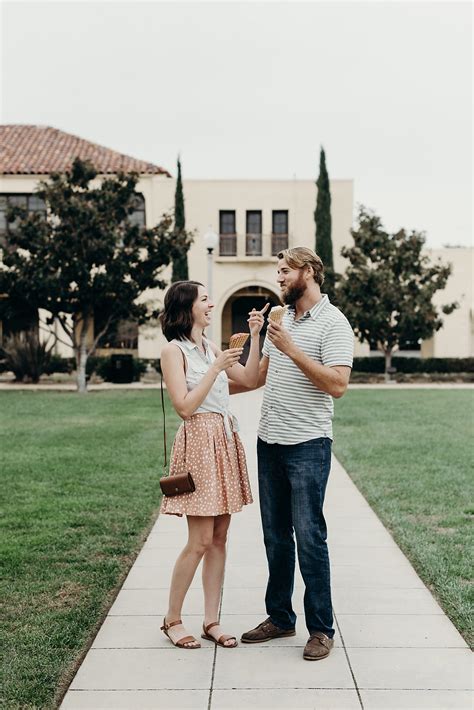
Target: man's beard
point(293, 293)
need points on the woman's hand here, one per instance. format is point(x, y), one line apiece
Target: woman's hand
point(227, 359)
point(257, 320)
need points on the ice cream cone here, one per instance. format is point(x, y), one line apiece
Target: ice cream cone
point(238, 340)
point(277, 313)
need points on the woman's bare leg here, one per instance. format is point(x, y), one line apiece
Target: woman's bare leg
point(200, 536)
point(213, 574)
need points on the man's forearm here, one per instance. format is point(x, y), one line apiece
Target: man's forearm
point(327, 379)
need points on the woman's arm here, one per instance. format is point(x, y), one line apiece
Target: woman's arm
point(247, 377)
point(234, 388)
point(172, 366)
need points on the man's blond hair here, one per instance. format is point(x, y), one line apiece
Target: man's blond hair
point(298, 257)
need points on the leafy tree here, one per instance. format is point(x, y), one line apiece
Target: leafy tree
point(322, 217)
point(387, 290)
point(180, 262)
point(85, 257)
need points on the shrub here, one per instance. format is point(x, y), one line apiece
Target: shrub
point(102, 366)
point(414, 364)
point(26, 356)
point(60, 364)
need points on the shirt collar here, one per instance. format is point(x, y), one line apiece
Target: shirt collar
point(189, 345)
point(318, 307)
point(315, 310)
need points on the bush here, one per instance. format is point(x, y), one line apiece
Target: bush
point(102, 367)
point(414, 364)
point(26, 356)
point(60, 364)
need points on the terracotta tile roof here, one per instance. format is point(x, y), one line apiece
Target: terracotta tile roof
point(40, 150)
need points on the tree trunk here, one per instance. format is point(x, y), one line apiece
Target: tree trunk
point(81, 362)
point(388, 364)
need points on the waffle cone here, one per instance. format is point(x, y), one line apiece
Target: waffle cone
point(276, 314)
point(238, 340)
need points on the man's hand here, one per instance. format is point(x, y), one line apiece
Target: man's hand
point(280, 338)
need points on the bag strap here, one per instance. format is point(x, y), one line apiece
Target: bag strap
point(164, 414)
point(164, 417)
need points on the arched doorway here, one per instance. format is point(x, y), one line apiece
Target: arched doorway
point(236, 310)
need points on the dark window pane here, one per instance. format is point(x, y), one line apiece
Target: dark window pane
point(137, 218)
point(280, 222)
point(227, 221)
point(18, 200)
point(3, 222)
point(279, 243)
point(3, 202)
point(228, 245)
point(35, 203)
point(253, 245)
point(138, 201)
point(254, 222)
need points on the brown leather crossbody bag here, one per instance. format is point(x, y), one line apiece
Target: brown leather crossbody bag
point(181, 482)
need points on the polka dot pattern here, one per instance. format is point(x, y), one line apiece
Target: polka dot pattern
point(217, 464)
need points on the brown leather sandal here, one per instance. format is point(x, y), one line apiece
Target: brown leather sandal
point(221, 641)
point(181, 643)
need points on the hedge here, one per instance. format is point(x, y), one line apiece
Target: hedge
point(414, 364)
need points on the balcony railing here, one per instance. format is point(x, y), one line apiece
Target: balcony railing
point(253, 245)
point(228, 245)
point(248, 246)
point(279, 243)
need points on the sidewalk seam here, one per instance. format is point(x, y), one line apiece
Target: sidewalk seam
point(215, 652)
point(349, 662)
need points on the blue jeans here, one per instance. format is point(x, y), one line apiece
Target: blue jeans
point(292, 482)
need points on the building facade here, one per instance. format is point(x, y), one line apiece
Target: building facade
point(254, 220)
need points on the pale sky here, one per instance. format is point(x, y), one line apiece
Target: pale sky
point(252, 89)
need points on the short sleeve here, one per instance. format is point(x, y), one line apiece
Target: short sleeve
point(266, 346)
point(338, 344)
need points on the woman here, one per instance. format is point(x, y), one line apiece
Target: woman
point(197, 376)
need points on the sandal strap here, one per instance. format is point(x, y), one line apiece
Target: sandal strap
point(166, 626)
point(222, 640)
point(186, 639)
point(210, 626)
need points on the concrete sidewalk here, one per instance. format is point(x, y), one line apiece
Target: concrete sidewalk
point(395, 648)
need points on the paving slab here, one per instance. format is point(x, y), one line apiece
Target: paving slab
point(412, 668)
point(294, 698)
point(263, 666)
point(398, 631)
point(136, 700)
point(410, 602)
point(416, 699)
point(145, 669)
point(394, 648)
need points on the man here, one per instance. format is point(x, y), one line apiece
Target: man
point(306, 362)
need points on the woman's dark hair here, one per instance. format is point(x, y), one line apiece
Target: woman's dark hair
point(176, 319)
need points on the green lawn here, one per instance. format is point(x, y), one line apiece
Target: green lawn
point(80, 488)
point(80, 483)
point(411, 453)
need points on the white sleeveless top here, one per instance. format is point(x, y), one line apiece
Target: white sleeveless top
point(218, 397)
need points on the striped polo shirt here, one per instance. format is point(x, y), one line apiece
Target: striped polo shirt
point(293, 409)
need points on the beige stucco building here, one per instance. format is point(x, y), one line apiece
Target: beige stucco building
point(254, 220)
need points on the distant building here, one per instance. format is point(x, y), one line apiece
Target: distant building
point(254, 219)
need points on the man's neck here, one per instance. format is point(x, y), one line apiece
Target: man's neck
point(309, 299)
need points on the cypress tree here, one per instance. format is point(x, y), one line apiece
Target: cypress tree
point(322, 217)
point(180, 264)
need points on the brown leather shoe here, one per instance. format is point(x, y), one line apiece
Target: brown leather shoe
point(318, 647)
point(265, 632)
